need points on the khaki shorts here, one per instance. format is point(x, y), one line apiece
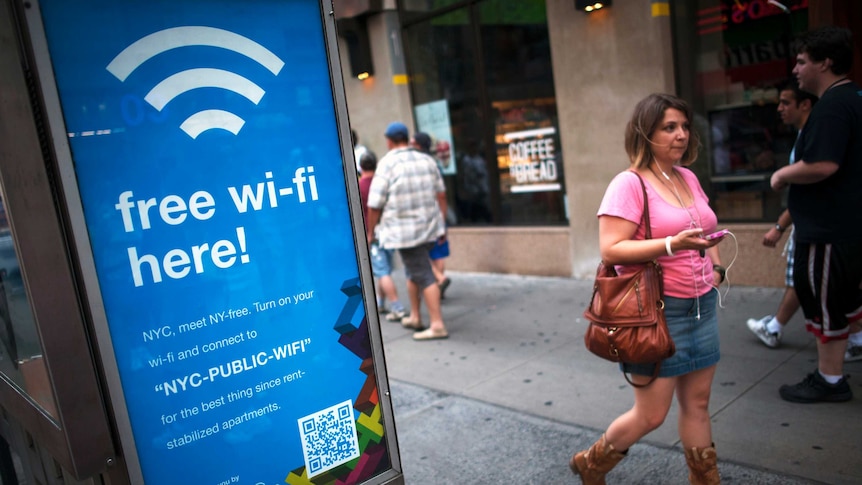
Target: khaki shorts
point(417, 265)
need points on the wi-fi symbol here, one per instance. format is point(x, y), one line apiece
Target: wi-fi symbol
point(164, 40)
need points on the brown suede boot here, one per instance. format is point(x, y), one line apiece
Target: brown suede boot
point(703, 466)
point(593, 464)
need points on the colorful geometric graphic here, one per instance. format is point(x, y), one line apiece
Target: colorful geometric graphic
point(369, 425)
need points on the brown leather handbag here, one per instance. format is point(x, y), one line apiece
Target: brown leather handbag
point(626, 313)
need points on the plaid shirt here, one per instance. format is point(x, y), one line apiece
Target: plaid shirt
point(405, 188)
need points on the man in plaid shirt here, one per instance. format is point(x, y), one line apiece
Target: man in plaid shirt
point(406, 211)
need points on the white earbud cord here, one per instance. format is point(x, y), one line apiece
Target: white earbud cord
point(691, 257)
point(694, 225)
point(726, 273)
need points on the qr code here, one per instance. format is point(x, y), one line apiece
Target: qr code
point(328, 438)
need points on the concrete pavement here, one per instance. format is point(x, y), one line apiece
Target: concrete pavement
point(513, 392)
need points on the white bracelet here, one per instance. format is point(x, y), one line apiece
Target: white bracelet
point(667, 245)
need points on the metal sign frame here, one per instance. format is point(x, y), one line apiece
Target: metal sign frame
point(90, 284)
point(78, 435)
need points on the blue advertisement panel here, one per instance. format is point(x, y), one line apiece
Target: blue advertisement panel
point(205, 144)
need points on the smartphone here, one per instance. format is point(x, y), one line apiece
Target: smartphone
point(717, 234)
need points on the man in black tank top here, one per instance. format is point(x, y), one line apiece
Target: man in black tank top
point(825, 196)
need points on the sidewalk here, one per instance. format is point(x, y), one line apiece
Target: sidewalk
point(513, 392)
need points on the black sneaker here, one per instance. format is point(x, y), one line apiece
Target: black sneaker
point(814, 388)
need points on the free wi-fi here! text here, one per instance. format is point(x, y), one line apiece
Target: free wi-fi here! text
point(174, 210)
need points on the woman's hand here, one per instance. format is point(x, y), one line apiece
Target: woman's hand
point(717, 278)
point(692, 239)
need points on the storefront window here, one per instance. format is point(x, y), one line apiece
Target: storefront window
point(733, 57)
point(482, 86)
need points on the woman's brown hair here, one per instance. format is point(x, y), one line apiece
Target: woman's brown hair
point(646, 118)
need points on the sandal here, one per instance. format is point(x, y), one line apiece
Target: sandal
point(443, 285)
point(406, 322)
point(431, 334)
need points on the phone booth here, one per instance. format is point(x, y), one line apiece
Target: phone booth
point(185, 290)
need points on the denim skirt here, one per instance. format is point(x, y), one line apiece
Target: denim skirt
point(696, 339)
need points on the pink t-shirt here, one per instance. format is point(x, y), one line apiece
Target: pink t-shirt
point(686, 274)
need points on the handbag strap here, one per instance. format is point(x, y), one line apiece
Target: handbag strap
point(647, 235)
point(645, 216)
point(653, 377)
point(646, 219)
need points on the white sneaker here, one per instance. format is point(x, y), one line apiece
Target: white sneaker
point(771, 340)
point(396, 315)
point(853, 353)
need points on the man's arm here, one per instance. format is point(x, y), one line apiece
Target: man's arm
point(373, 217)
point(773, 235)
point(441, 201)
point(444, 208)
point(802, 173)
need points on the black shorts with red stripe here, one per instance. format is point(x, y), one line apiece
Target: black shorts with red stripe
point(827, 278)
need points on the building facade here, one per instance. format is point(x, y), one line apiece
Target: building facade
point(527, 102)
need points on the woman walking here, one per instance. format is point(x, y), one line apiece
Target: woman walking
point(659, 144)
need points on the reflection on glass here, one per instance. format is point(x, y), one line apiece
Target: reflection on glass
point(491, 68)
point(443, 59)
point(732, 62)
point(21, 359)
